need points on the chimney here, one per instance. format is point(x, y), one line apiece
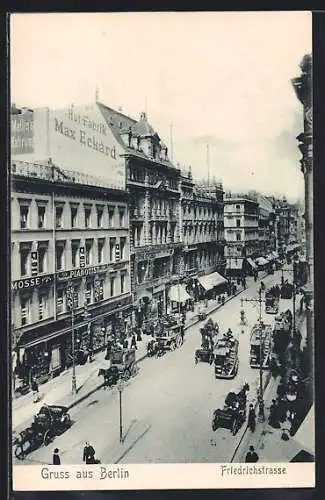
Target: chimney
point(143, 116)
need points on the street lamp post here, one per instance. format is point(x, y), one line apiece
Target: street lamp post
point(261, 389)
point(120, 388)
point(71, 294)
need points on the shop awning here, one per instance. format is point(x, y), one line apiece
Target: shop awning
point(177, 293)
point(251, 263)
point(211, 280)
point(260, 261)
point(235, 265)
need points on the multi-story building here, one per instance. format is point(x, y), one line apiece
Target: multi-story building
point(241, 226)
point(66, 232)
point(202, 231)
point(266, 231)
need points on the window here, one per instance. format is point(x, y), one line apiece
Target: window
point(87, 217)
point(41, 259)
point(41, 306)
point(75, 254)
point(237, 222)
point(59, 255)
point(238, 208)
point(238, 236)
point(41, 217)
point(112, 286)
point(110, 216)
point(88, 294)
point(122, 248)
point(58, 216)
point(60, 306)
point(89, 257)
point(74, 213)
point(112, 249)
point(100, 248)
point(99, 217)
point(24, 261)
point(24, 217)
point(25, 310)
point(122, 283)
point(121, 217)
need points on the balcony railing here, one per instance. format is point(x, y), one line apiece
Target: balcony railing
point(55, 174)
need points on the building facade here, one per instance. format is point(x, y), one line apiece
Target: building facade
point(66, 231)
point(202, 227)
point(241, 227)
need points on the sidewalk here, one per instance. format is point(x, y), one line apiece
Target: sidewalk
point(58, 390)
point(266, 440)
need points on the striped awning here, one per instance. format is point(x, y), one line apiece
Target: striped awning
point(177, 293)
point(211, 280)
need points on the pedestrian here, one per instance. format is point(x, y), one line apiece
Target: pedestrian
point(34, 387)
point(139, 336)
point(88, 454)
point(251, 418)
point(251, 455)
point(222, 299)
point(274, 415)
point(56, 457)
point(182, 332)
point(133, 342)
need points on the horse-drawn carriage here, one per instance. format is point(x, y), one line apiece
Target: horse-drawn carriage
point(260, 346)
point(205, 352)
point(233, 414)
point(226, 357)
point(50, 421)
point(272, 300)
point(282, 331)
point(122, 366)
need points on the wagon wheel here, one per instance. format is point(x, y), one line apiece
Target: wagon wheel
point(18, 451)
point(67, 421)
point(196, 359)
point(173, 345)
point(127, 374)
point(234, 427)
point(179, 341)
point(215, 424)
point(47, 437)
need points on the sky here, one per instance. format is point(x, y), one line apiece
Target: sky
point(212, 78)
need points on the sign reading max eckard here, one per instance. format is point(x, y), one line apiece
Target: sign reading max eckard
point(77, 138)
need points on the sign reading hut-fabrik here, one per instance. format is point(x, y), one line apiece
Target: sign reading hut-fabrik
point(77, 138)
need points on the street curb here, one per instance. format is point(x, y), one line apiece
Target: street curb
point(192, 323)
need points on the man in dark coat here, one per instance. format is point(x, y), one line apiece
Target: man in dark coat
point(88, 454)
point(133, 342)
point(251, 418)
point(251, 456)
point(56, 457)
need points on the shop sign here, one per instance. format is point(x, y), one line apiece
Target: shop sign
point(119, 265)
point(82, 256)
point(34, 259)
point(27, 283)
point(117, 252)
point(81, 272)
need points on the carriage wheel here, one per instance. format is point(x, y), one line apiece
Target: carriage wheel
point(214, 424)
point(179, 341)
point(127, 374)
point(173, 345)
point(67, 422)
point(47, 437)
point(18, 451)
point(234, 427)
point(196, 360)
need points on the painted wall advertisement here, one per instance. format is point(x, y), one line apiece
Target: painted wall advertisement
point(78, 138)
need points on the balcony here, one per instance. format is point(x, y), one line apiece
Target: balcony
point(53, 173)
